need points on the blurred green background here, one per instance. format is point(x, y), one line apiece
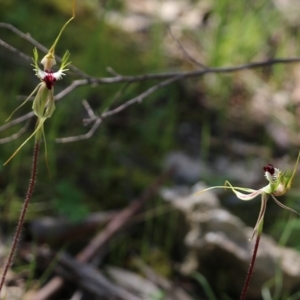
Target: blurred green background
point(202, 117)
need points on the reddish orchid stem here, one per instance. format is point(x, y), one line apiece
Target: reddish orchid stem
point(251, 266)
point(23, 212)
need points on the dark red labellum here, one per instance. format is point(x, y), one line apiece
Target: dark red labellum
point(49, 79)
point(270, 169)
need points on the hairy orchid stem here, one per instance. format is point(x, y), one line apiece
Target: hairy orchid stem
point(251, 266)
point(23, 212)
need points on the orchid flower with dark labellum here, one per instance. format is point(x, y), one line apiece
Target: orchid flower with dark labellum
point(43, 104)
point(279, 184)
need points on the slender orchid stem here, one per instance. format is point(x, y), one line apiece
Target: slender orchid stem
point(23, 212)
point(251, 266)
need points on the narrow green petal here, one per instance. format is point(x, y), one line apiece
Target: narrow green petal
point(40, 101)
point(52, 49)
point(284, 206)
point(64, 61)
point(241, 196)
point(211, 188)
point(39, 129)
point(34, 91)
point(50, 105)
point(35, 58)
point(20, 147)
point(225, 187)
point(289, 183)
point(38, 132)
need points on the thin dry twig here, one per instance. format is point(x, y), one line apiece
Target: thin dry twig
point(15, 135)
point(85, 136)
point(98, 120)
point(189, 57)
point(169, 77)
point(25, 36)
point(88, 109)
point(196, 73)
point(189, 74)
point(113, 72)
point(141, 97)
point(17, 121)
point(14, 50)
point(70, 88)
point(119, 78)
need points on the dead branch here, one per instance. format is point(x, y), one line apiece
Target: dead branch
point(188, 56)
point(85, 136)
point(98, 120)
point(17, 121)
point(168, 77)
point(15, 135)
point(14, 50)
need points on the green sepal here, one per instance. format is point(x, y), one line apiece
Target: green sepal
point(34, 91)
point(35, 58)
point(64, 60)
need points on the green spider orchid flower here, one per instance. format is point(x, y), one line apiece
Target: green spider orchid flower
point(43, 104)
point(279, 184)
